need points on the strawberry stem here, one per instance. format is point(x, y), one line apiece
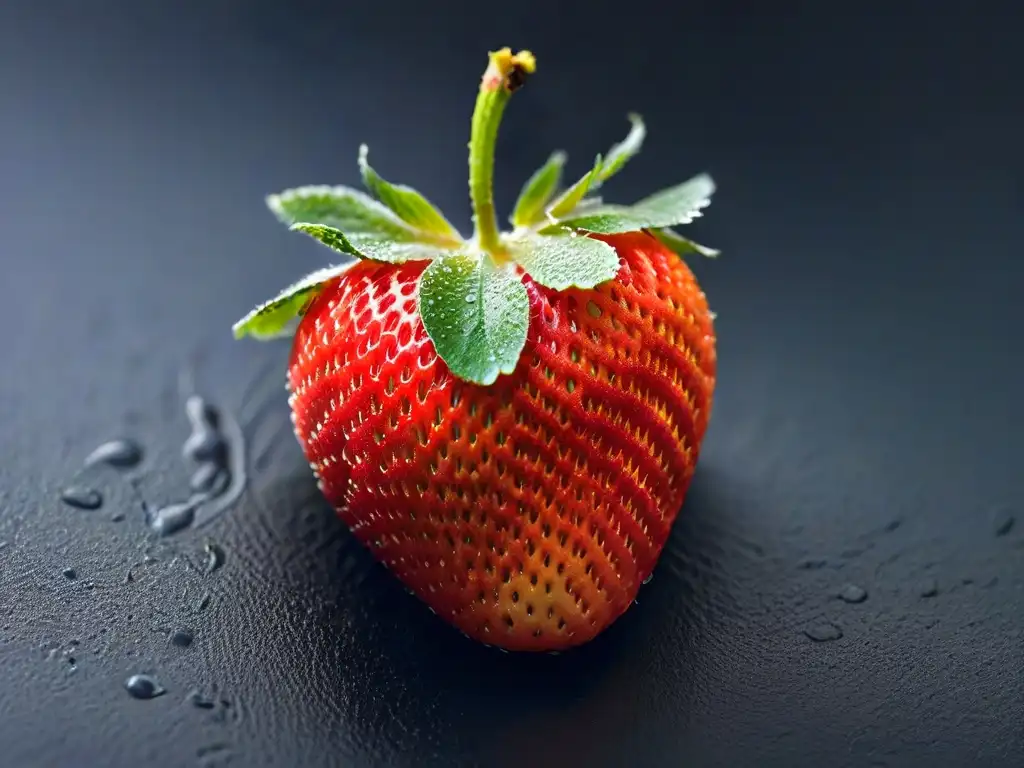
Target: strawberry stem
point(506, 72)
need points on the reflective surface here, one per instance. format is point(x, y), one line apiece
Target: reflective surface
point(865, 434)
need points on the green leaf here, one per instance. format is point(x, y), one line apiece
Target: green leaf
point(537, 191)
point(279, 316)
point(683, 245)
point(408, 204)
point(369, 246)
point(620, 153)
point(565, 260)
point(568, 200)
point(477, 314)
point(670, 207)
point(342, 208)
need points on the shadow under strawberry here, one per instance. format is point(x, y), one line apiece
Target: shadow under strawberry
point(364, 652)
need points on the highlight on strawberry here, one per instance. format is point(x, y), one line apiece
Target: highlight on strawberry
point(509, 422)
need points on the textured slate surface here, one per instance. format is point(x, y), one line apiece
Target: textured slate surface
point(867, 424)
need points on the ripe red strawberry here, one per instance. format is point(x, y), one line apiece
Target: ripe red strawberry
point(511, 423)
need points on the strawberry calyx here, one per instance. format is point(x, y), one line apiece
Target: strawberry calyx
point(471, 296)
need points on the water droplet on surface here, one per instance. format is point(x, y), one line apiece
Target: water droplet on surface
point(143, 687)
point(851, 593)
point(929, 588)
point(823, 633)
point(470, 298)
point(201, 414)
point(173, 518)
point(70, 573)
point(649, 579)
point(204, 445)
point(198, 700)
point(182, 638)
point(80, 497)
point(1002, 521)
point(214, 556)
point(122, 454)
point(210, 478)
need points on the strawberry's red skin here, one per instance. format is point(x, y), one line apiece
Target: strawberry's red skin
point(529, 512)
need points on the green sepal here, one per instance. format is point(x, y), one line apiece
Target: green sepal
point(369, 246)
point(570, 198)
point(278, 317)
point(476, 312)
point(564, 260)
point(671, 207)
point(620, 153)
point(538, 191)
point(408, 204)
point(684, 245)
point(349, 210)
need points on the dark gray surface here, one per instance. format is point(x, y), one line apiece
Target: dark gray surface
point(870, 211)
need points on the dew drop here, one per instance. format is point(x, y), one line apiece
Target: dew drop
point(204, 445)
point(823, 633)
point(143, 687)
point(210, 478)
point(122, 454)
point(214, 556)
point(80, 497)
point(173, 518)
point(182, 638)
point(470, 298)
point(851, 593)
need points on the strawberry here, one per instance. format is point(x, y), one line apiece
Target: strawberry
point(510, 423)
